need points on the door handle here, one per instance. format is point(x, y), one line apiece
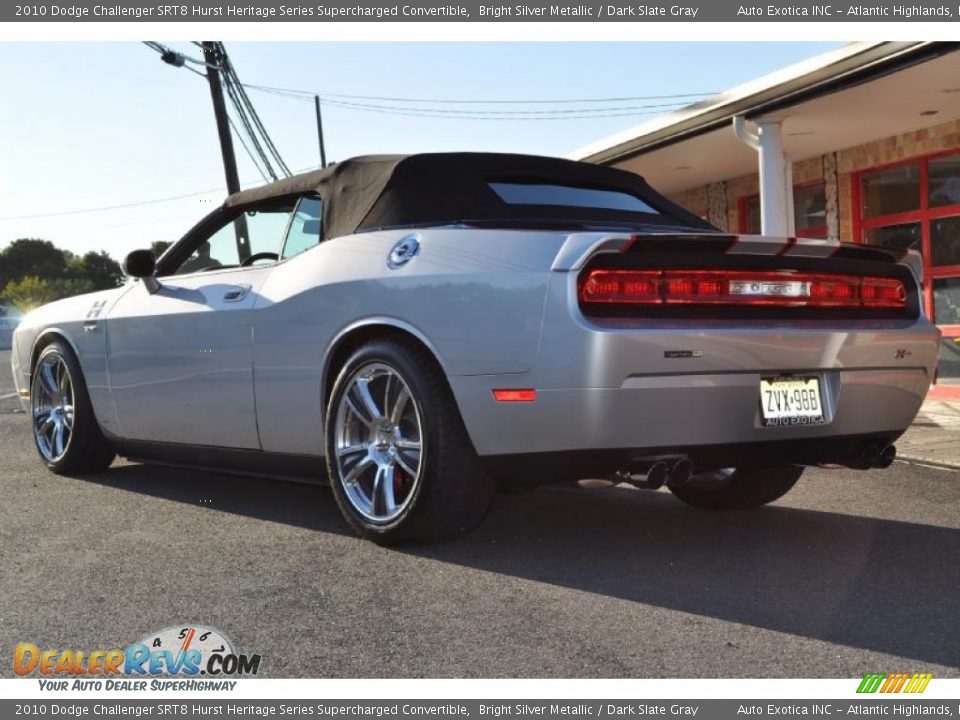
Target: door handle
point(236, 293)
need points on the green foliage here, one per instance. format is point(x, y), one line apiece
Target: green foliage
point(101, 270)
point(30, 256)
point(31, 291)
point(159, 247)
point(34, 272)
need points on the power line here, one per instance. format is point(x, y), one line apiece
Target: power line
point(634, 98)
point(578, 113)
point(243, 143)
point(241, 113)
point(124, 206)
point(481, 113)
point(230, 75)
point(243, 108)
point(434, 113)
point(64, 213)
point(420, 107)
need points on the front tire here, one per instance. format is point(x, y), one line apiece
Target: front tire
point(738, 488)
point(65, 430)
point(401, 465)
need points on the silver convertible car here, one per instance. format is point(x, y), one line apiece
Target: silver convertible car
point(420, 329)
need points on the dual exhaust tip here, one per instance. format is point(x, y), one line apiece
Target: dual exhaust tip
point(654, 474)
point(879, 456)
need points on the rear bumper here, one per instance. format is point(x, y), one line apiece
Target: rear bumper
point(578, 464)
point(683, 412)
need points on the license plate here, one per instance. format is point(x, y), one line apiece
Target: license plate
point(790, 401)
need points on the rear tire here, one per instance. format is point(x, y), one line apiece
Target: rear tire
point(65, 430)
point(738, 488)
point(401, 464)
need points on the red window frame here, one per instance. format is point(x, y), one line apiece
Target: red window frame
point(819, 231)
point(924, 215)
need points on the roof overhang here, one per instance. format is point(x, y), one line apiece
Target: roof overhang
point(858, 93)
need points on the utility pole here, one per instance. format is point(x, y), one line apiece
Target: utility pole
point(323, 152)
point(213, 62)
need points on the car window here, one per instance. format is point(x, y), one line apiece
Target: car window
point(556, 194)
point(250, 233)
point(304, 231)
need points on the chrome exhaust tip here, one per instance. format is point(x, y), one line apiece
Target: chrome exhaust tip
point(887, 456)
point(654, 475)
point(680, 473)
point(645, 474)
point(871, 455)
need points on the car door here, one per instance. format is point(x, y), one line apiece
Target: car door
point(180, 359)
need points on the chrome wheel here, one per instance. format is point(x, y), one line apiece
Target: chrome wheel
point(52, 400)
point(378, 443)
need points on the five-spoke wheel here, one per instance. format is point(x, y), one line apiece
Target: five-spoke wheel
point(65, 429)
point(52, 401)
point(401, 465)
point(379, 444)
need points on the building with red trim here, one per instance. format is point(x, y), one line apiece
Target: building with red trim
point(867, 149)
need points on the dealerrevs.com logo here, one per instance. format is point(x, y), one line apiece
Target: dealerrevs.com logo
point(185, 651)
point(894, 682)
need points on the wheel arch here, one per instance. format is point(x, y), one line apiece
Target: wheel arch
point(46, 337)
point(353, 336)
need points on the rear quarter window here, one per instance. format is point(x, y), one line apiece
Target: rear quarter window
point(558, 195)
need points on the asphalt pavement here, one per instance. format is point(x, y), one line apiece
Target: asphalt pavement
point(852, 572)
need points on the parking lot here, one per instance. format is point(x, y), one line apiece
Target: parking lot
point(852, 572)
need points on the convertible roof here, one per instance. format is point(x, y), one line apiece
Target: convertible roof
point(377, 191)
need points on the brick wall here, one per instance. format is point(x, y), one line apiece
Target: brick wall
point(843, 164)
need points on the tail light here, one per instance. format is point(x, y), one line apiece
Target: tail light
point(778, 288)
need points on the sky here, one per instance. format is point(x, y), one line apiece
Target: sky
point(90, 125)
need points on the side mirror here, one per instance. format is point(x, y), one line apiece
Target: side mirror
point(143, 265)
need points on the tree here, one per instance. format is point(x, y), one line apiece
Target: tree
point(31, 257)
point(101, 270)
point(31, 291)
point(159, 247)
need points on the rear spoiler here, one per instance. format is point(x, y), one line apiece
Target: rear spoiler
point(580, 247)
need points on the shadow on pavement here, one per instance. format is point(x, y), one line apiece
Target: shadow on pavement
point(876, 584)
point(881, 585)
point(297, 504)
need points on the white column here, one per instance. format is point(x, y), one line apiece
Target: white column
point(774, 200)
point(776, 175)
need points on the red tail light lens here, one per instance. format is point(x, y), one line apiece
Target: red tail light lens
point(621, 286)
point(778, 288)
point(883, 292)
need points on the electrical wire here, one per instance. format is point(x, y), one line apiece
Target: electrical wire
point(243, 143)
point(241, 113)
point(528, 114)
point(231, 76)
point(125, 206)
point(634, 98)
point(480, 113)
point(430, 113)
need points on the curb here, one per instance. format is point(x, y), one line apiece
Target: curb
point(908, 460)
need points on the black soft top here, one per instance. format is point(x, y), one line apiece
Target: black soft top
point(381, 191)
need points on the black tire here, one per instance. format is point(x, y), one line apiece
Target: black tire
point(740, 489)
point(86, 450)
point(453, 493)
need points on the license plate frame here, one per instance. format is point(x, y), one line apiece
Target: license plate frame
point(791, 401)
